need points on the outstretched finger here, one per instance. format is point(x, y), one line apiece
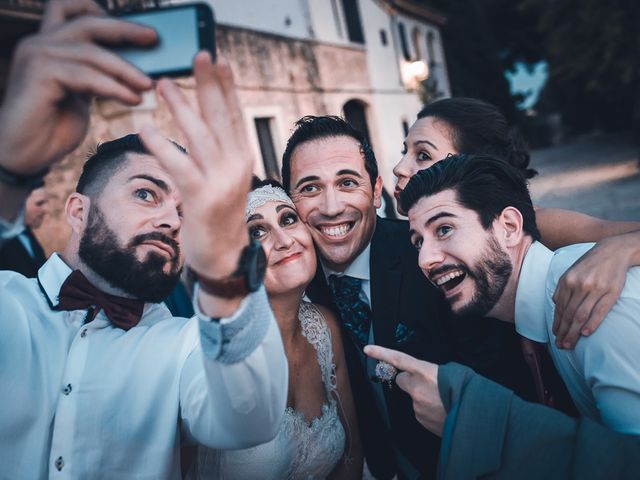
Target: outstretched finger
point(208, 92)
point(400, 360)
point(59, 11)
point(220, 106)
point(201, 147)
point(177, 164)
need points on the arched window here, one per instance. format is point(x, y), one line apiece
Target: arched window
point(416, 37)
point(404, 43)
point(267, 147)
point(355, 113)
point(352, 19)
point(430, 48)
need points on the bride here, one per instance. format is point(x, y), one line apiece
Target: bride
point(318, 437)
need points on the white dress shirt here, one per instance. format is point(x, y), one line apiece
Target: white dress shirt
point(602, 373)
point(89, 401)
point(359, 268)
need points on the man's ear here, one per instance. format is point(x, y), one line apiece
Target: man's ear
point(377, 193)
point(510, 223)
point(77, 211)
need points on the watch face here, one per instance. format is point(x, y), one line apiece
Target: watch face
point(257, 265)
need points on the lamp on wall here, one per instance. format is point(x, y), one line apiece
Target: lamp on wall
point(413, 73)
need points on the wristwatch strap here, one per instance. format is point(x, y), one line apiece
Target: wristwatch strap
point(230, 287)
point(24, 181)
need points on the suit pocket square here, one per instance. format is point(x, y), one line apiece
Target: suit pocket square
point(404, 334)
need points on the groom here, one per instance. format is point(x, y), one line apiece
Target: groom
point(368, 272)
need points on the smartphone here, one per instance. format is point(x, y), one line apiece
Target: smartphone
point(183, 30)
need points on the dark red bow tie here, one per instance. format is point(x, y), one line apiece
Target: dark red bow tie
point(77, 293)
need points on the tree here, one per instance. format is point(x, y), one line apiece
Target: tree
point(482, 40)
point(593, 52)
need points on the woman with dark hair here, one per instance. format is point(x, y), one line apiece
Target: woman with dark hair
point(318, 436)
point(469, 126)
point(592, 286)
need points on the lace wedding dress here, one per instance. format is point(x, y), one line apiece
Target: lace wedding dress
point(300, 449)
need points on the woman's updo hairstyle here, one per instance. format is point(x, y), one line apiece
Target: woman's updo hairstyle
point(478, 127)
point(257, 182)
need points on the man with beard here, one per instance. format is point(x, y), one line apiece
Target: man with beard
point(473, 224)
point(152, 278)
point(99, 380)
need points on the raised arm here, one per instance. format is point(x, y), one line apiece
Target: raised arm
point(239, 397)
point(560, 228)
point(588, 290)
point(53, 77)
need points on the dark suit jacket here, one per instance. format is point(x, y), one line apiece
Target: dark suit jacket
point(389, 206)
point(13, 256)
point(491, 433)
point(401, 294)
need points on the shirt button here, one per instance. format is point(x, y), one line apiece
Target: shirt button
point(67, 389)
point(83, 333)
point(59, 463)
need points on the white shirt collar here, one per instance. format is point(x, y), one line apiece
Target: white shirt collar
point(359, 268)
point(51, 276)
point(531, 294)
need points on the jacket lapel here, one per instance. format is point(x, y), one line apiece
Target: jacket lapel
point(386, 277)
point(38, 253)
point(318, 292)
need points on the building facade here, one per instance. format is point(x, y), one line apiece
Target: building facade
point(372, 61)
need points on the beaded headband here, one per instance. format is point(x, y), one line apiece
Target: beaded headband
point(262, 195)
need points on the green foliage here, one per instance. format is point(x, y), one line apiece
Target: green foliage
point(593, 51)
point(592, 48)
point(483, 39)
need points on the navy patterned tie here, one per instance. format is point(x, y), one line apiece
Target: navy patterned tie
point(355, 313)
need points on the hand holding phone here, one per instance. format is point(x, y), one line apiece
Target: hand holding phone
point(45, 110)
point(183, 30)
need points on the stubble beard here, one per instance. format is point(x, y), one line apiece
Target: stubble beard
point(145, 279)
point(490, 274)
